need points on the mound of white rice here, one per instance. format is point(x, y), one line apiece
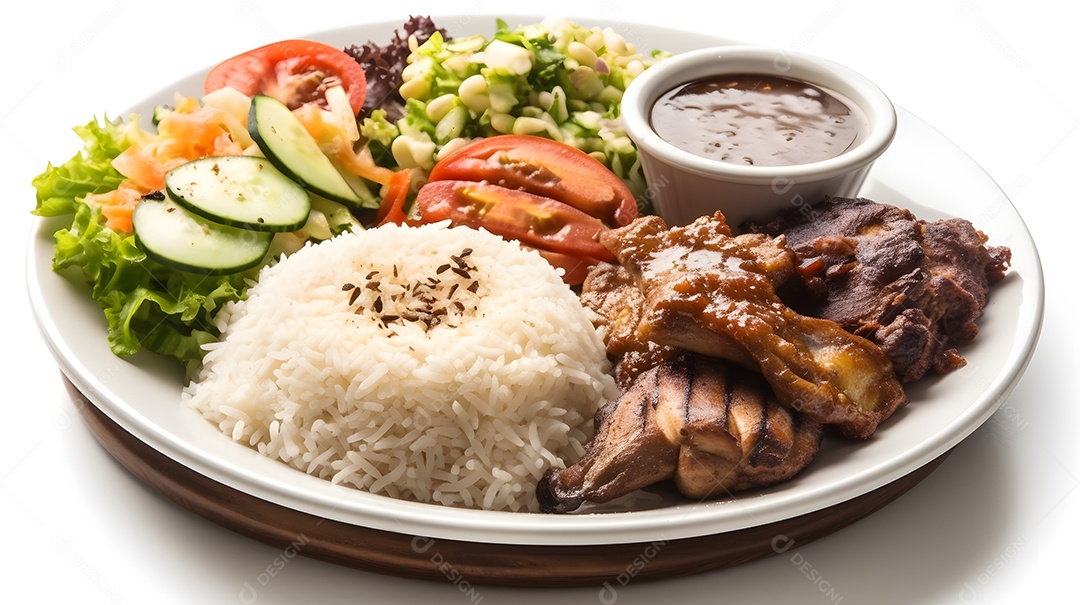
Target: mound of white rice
point(434, 364)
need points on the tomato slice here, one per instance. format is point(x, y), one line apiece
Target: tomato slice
point(292, 71)
point(392, 209)
point(544, 167)
point(531, 219)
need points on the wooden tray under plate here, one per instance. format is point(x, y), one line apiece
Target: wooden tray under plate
point(457, 561)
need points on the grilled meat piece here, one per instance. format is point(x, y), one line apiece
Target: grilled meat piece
point(610, 291)
point(913, 287)
point(713, 428)
point(709, 292)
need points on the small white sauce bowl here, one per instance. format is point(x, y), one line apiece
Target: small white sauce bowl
point(683, 186)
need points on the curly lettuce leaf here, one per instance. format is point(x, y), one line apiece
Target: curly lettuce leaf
point(89, 171)
point(147, 305)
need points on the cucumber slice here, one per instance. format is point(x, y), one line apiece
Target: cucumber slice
point(285, 142)
point(240, 191)
point(174, 237)
point(359, 186)
point(338, 216)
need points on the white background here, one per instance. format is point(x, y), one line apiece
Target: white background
point(996, 523)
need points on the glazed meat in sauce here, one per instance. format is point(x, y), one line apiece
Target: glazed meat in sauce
point(913, 287)
point(684, 307)
point(705, 291)
point(610, 290)
point(712, 427)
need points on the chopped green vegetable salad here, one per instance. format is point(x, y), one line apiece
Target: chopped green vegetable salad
point(555, 79)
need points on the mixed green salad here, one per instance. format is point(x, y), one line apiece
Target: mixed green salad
point(147, 305)
point(427, 95)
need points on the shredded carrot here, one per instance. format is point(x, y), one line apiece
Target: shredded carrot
point(362, 164)
point(182, 137)
point(323, 126)
point(117, 205)
point(188, 133)
point(184, 104)
point(334, 140)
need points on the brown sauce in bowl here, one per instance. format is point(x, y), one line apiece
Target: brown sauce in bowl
point(759, 120)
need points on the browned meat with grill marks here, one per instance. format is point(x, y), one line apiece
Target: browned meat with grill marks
point(712, 427)
point(877, 298)
point(913, 287)
point(706, 291)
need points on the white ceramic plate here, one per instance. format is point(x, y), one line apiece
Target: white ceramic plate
point(922, 171)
